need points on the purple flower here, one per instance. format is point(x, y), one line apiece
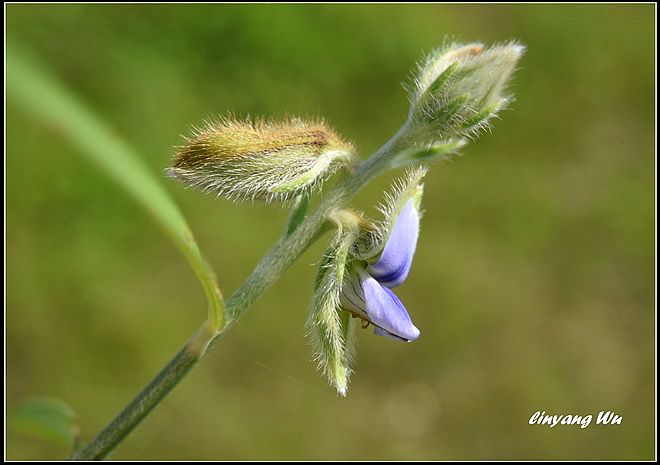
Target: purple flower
point(367, 292)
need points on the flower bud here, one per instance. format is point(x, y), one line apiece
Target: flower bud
point(455, 93)
point(460, 86)
point(263, 160)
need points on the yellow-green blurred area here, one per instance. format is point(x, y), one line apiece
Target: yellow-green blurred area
point(533, 282)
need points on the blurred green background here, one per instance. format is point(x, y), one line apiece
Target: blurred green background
point(533, 284)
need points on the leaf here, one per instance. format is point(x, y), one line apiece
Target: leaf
point(298, 212)
point(48, 419)
point(43, 95)
point(440, 150)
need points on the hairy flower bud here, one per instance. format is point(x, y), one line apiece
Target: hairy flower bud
point(455, 93)
point(263, 160)
point(460, 86)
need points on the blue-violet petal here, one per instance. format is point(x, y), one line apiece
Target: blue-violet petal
point(393, 266)
point(386, 312)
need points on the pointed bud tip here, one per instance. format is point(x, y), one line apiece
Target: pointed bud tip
point(517, 49)
point(510, 52)
point(458, 89)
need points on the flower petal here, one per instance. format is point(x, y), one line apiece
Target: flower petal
point(394, 263)
point(381, 332)
point(368, 299)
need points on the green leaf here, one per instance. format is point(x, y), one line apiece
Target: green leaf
point(331, 329)
point(439, 150)
point(48, 419)
point(298, 211)
point(33, 87)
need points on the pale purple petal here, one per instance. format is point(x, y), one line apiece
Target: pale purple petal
point(386, 312)
point(394, 263)
point(352, 296)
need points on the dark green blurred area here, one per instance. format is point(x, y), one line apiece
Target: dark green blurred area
point(533, 283)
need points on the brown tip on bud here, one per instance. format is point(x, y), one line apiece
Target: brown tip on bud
point(268, 159)
point(229, 138)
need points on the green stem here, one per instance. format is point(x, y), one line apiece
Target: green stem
point(139, 408)
point(150, 396)
point(280, 256)
point(43, 95)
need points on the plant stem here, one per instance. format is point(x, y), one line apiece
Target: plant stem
point(280, 256)
point(43, 95)
point(145, 401)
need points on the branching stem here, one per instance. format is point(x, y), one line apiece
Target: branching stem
point(281, 255)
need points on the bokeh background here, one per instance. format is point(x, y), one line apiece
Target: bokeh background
point(533, 284)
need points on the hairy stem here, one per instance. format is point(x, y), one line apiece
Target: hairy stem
point(280, 256)
point(139, 408)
